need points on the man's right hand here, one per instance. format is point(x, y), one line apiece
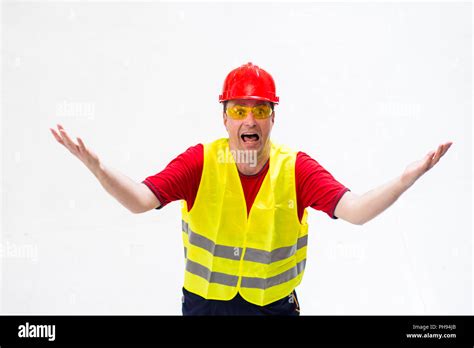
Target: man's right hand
point(89, 158)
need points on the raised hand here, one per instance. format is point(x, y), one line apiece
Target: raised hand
point(418, 168)
point(89, 158)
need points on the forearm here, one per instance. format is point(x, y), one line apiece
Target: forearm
point(130, 194)
point(364, 208)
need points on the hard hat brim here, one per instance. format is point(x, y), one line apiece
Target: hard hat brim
point(249, 97)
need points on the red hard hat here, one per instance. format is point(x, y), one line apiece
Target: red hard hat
point(249, 82)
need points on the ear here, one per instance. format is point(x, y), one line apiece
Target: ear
point(273, 116)
point(224, 118)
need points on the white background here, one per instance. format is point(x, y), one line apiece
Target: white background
point(365, 88)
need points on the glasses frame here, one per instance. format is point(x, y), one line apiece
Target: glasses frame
point(247, 110)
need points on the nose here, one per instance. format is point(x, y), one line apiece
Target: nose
point(249, 120)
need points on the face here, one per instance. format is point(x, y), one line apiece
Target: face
point(249, 133)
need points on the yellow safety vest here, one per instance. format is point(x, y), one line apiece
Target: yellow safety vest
point(261, 256)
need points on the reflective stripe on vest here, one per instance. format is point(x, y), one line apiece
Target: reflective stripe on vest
point(247, 282)
point(234, 253)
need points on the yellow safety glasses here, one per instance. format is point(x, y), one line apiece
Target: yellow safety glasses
point(239, 112)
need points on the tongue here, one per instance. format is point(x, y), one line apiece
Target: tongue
point(252, 137)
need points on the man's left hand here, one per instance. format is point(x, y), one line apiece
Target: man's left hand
point(416, 169)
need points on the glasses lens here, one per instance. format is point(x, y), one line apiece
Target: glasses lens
point(262, 111)
point(239, 112)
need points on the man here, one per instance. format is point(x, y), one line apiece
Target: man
point(244, 203)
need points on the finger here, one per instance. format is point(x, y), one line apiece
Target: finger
point(68, 141)
point(446, 147)
point(66, 137)
point(430, 155)
point(56, 135)
point(441, 151)
point(82, 147)
point(437, 155)
point(425, 162)
point(429, 159)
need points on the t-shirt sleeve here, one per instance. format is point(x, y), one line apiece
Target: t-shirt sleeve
point(316, 187)
point(180, 179)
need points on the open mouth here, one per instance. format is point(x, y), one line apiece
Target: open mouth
point(250, 137)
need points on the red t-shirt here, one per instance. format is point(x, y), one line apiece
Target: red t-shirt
point(315, 186)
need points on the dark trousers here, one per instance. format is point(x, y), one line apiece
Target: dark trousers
point(196, 305)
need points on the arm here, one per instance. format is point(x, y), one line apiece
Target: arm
point(134, 196)
point(359, 209)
